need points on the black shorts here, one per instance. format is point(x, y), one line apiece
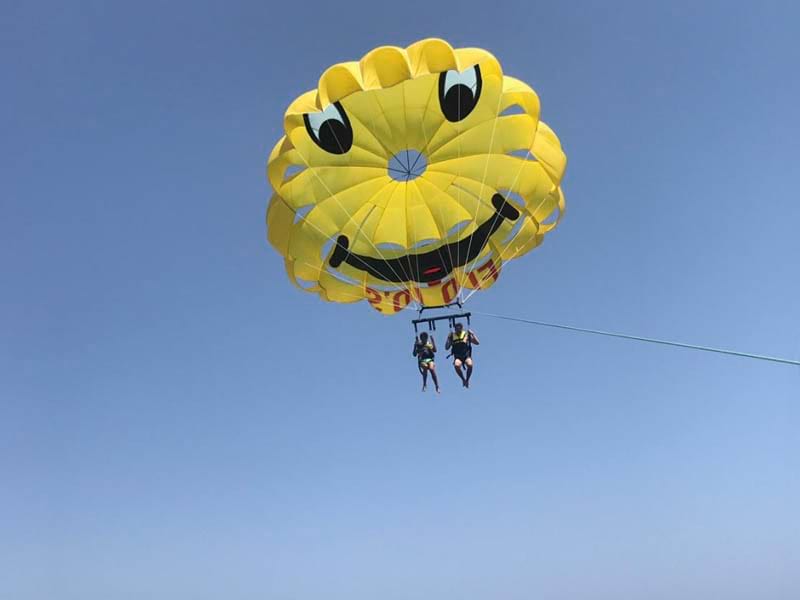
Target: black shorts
point(462, 356)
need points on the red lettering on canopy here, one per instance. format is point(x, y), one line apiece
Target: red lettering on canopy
point(374, 298)
point(449, 291)
point(487, 270)
point(473, 280)
point(401, 300)
point(490, 266)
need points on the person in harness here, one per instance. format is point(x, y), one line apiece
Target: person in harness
point(460, 342)
point(424, 349)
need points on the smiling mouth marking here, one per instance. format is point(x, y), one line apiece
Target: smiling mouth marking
point(431, 266)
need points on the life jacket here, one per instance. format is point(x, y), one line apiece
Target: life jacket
point(459, 341)
point(425, 350)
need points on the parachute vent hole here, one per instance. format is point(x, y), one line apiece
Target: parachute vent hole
point(301, 213)
point(292, 170)
point(523, 153)
point(514, 231)
point(514, 109)
point(390, 247)
point(424, 244)
point(407, 165)
point(458, 228)
point(516, 199)
point(477, 263)
point(326, 249)
point(305, 284)
point(342, 277)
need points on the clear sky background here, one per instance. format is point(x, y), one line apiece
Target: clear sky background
point(177, 421)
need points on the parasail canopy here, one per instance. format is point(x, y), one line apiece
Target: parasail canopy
point(410, 176)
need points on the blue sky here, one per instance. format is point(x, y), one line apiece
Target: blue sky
point(177, 421)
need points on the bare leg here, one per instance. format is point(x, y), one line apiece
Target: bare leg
point(457, 367)
point(424, 372)
point(432, 369)
point(469, 371)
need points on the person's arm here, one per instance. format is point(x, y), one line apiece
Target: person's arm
point(474, 338)
point(433, 344)
point(416, 347)
point(449, 342)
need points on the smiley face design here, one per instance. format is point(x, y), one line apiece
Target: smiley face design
point(411, 175)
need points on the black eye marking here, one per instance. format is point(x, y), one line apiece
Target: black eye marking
point(330, 129)
point(459, 92)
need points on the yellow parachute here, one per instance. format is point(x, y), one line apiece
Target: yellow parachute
point(411, 175)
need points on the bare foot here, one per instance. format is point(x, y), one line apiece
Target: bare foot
point(437, 391)
point(424, 386)
point(466, 383)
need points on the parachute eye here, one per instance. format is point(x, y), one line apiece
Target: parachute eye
point(330, 129)
point(459, 92)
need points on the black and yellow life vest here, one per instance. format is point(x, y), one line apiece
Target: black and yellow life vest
point(425, 351)
point(459, 341)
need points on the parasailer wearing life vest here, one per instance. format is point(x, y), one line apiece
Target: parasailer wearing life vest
point(424, 350)
point(460, 342)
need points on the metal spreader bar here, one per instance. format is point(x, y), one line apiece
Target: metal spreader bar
point(431, 321)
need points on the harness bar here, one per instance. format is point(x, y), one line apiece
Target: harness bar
point(431, 321)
